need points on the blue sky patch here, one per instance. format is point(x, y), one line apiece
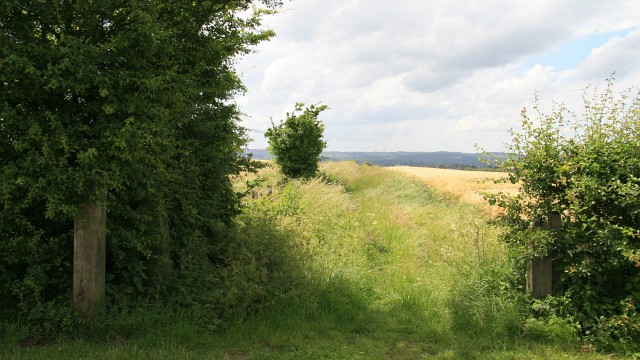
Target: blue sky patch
point(569, 54)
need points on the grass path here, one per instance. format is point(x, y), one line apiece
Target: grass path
point(372, 265)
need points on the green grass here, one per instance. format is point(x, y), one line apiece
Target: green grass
point(365, 264)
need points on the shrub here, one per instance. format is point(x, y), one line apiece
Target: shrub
point(588, 170)
point(297, 142)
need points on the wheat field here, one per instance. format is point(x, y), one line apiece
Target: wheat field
point(465, 185)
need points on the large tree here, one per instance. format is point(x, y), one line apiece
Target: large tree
point(123, 102)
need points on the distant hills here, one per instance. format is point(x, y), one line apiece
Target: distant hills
point(441, 159)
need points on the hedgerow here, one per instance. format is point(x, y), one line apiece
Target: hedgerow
point(587, 169)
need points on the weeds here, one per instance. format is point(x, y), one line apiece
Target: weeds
point(362, 263)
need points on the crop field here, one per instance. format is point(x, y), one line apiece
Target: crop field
point(465, 186)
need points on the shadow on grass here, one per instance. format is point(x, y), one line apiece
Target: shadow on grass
point(270, 301)
point(337, 319)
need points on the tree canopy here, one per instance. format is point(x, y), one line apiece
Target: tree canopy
point(130, 102)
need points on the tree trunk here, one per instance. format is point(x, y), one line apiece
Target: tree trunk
point(89, 258)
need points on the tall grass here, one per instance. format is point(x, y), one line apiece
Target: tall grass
point(362, 263)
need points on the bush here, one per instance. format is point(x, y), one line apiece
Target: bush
point(297, 142)
point(588, 170)
point(155, 135)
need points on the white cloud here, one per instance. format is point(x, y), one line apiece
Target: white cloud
point(423, 76)
point(620, 54)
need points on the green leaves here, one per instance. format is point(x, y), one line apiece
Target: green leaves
point(585, 168)
point(131, 99)
point(297, 142)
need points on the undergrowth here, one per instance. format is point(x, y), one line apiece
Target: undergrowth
point(360, 263)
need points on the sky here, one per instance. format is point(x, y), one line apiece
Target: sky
point(437, 75)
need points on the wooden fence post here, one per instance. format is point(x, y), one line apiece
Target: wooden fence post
point(161, 266)
point(555, 224)
point(540, 274)
point(540, 277)
point(89, 258)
